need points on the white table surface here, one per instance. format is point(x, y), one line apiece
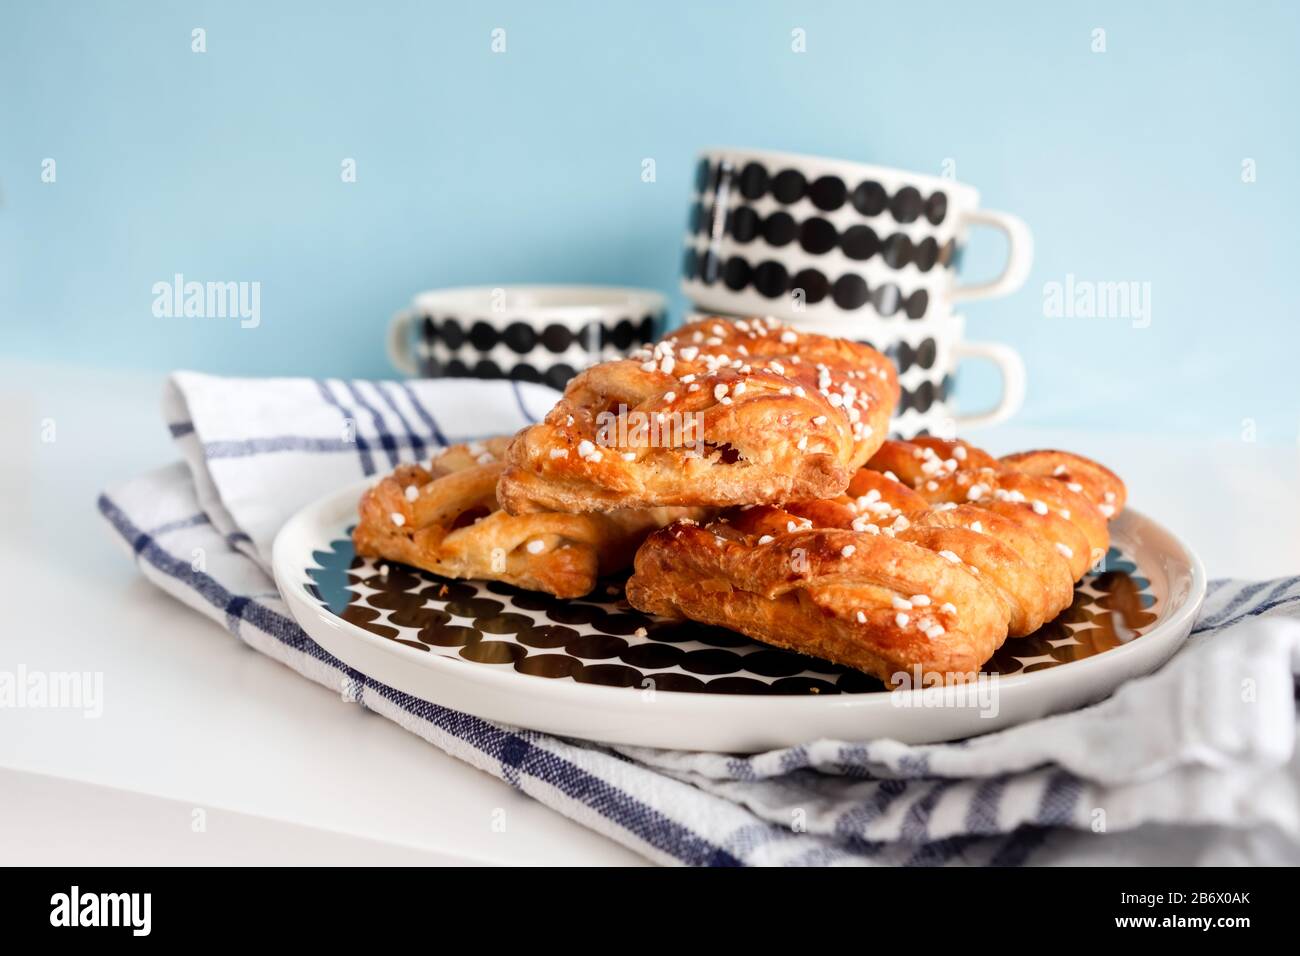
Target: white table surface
point(283, 769)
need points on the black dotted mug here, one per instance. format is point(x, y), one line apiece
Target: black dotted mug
point(527, 333)
point(805, 238)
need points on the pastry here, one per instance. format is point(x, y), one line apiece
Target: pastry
point(936, 553)
point(445, 518)
point(718, 413)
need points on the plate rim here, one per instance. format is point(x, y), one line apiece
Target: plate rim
point(302, 605)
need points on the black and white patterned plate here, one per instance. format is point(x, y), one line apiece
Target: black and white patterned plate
point(601, 639)
point(599, 669)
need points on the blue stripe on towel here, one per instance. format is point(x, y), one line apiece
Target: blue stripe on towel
point(247, 447)
point(916, 822)
point(985, 808)
point(1059, 799)
point(386, 440)
point(519, 401)
point(942, 851)
point(425, 415)
point(1015, 851)
point(179, 524)
point(1244, 595)
point(363, 448)
point(417, 443)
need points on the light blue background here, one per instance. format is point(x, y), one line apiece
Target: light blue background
point(525, 167)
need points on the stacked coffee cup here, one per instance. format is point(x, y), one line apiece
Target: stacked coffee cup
point(857, 251)
point(543, 334)
point(841, 248)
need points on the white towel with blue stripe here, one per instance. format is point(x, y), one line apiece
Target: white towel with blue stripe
point(1197, 763)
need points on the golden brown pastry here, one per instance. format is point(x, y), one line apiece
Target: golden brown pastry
point(934, 555)
point(728, 412)
point(445, 519)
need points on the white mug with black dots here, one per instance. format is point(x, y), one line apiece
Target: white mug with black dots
point(526, 333)
point(809, 239)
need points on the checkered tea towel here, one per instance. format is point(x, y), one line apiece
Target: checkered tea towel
point(1197, 763)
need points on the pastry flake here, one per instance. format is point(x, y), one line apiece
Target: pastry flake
point(918, 568)
point(719, 413)
point(444, 518)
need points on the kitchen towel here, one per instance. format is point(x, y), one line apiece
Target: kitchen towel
point(1195, 764)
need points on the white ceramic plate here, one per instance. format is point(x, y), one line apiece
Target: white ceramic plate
point(594, 668)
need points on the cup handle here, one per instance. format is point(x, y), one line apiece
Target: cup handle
point(1012, 369)
point(1020, 256)
point(399, 343)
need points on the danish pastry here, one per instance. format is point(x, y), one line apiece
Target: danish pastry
point(936, 554)
point(718, 413)
point(444, 518)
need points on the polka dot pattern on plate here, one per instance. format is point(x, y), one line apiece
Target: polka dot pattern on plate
point(601, 640)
